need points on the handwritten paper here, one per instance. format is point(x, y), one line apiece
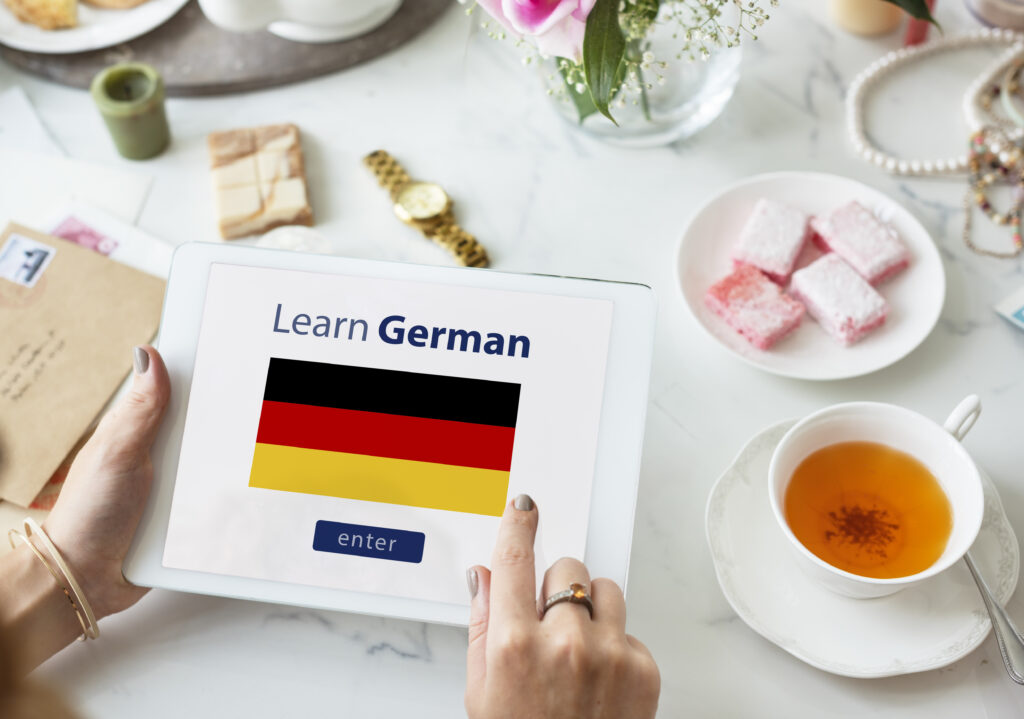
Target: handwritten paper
point(67, 346)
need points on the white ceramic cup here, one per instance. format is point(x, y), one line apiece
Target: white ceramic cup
point(936, 446)
point(312, 21)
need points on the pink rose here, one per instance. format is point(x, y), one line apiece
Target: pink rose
point(555, 25)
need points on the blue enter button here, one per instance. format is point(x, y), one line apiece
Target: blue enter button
point(378, 542)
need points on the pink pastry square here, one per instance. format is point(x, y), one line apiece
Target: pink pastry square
point(842, 301)
point(872, 247)
point(754, 306)
point(772, 238)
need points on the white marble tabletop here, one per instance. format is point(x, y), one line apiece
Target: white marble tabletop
point(459, 108)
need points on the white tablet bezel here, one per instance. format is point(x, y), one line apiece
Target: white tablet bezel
point(620, 439)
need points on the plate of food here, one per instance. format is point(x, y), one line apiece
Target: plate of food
point(810, 275)
point(66, 26)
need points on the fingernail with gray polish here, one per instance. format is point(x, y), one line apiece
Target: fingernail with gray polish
point(523, 503)
point(140, 359)
point(473, 581)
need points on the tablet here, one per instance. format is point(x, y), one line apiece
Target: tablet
point(345, 434)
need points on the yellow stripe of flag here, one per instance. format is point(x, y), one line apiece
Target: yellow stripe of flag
point(379, 479)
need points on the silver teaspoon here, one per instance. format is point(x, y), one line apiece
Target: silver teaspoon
point(1011, 643)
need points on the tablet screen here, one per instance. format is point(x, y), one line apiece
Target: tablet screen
point(365, 433)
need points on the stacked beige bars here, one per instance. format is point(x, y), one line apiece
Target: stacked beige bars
point(259, 180)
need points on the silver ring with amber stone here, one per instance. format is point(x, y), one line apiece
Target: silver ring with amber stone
point(576, 594)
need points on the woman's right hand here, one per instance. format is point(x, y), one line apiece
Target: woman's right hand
point(525, 664)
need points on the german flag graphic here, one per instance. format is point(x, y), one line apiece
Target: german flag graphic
point(377, 435)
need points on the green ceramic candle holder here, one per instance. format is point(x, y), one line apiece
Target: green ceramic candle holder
point(130, 96)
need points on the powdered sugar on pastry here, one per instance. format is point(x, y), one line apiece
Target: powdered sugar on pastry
point(772, 238)
point(872, 247)
point(842, 301)
point(754, 306)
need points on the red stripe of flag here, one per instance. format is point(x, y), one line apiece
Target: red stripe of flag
point(386, 435)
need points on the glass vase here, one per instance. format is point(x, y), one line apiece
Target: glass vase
point(671, 100)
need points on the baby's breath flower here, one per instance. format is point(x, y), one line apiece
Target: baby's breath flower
point(700, 27)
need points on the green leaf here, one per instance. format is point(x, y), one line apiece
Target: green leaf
point(648, 9)
point(603, 47)
point(584, 103)
point(916, 8)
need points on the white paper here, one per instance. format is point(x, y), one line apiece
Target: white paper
point(219, 524)
point(114, 238)
point(20, 127)
point(32, 184)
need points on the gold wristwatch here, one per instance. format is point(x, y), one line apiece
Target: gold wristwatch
point(427, 207)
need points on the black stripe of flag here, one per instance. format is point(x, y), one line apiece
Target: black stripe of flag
point(412, 394)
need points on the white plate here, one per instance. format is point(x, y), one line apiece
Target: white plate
point(923, 627)
point(915, 296)
point(96, 28)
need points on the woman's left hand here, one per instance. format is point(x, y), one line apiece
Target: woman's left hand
point(101, 502)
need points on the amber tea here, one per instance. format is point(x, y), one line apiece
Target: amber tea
point(869, 509)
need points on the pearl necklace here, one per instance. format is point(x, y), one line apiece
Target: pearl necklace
point(884, 66)
point(999, 76)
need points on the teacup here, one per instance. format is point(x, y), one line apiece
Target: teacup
point(312, 21)
point(936, 446)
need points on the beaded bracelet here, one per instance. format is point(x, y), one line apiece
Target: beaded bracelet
point(989, 162)
point(980, 94)
point(1001, 84)
point(61, 574)
point(1009, 88)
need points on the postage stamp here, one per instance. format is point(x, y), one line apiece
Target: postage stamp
point(75, 230)
point(23, 260)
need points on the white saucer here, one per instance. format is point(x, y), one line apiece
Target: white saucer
point(97, 28)
point(915, 296)
point(924, 627)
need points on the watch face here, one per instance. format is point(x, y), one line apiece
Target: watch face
point(421, 201)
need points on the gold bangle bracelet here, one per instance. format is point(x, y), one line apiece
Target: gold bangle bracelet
point(13, 536)
point(32, 528)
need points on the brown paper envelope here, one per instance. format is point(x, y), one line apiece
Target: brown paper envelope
point(69, 318)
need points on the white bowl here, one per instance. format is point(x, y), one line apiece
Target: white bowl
point(936, 446)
